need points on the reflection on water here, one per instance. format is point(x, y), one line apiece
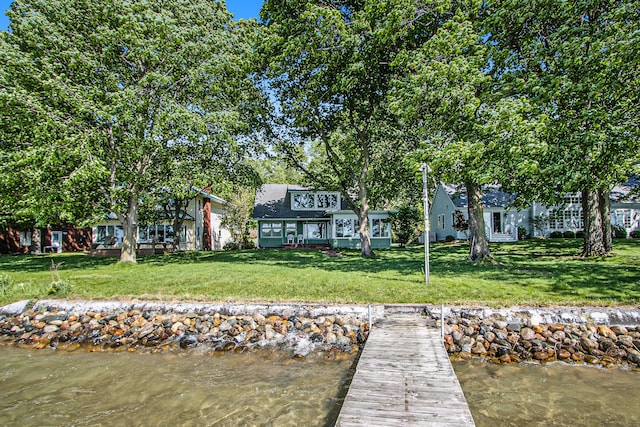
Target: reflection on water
point(58, 388)
point(549, 395)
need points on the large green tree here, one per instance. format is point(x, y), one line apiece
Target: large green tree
point(473, 133)
point(580, 62)
point(329, 73)
point(101, 99)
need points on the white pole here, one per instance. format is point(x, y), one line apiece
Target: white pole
point(369, 317)
point(425, 198)
point(442, 321)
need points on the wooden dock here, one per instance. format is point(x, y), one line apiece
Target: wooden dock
point(404, 378)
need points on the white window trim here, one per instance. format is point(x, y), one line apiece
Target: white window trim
point(270, 226)
point(315, 197)
point(354, 226)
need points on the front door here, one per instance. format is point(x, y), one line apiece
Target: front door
point(56, 240)
point(497, 222)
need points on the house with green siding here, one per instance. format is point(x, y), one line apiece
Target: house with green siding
point(295, 216)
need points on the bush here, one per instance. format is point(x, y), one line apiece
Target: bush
point(249, 244)
point(449, 238)
point(523, 234)
point(569, 234)
point(555, 234)
point(635, 234)
point(231, 246)
point(618, 232)
point(580, 234)
point(60, 287)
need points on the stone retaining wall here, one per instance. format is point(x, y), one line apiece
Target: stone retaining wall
point(601, 336)
point(109, 326)
point(597, 336)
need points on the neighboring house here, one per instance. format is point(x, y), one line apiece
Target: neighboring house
point(63, 238)
point(201, 230)
point(625, 205)
point(290, 215)
point(502, 220)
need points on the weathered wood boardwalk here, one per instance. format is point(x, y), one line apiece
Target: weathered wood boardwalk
point(404, 378)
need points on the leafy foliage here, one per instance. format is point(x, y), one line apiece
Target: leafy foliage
point(327, 64)
point(578, 62)
point(111, 101)
point(405, 224)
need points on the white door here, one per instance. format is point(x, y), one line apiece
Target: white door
point(56, 240)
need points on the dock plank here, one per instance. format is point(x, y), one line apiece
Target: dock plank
point(404, 378)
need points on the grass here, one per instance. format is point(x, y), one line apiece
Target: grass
point(534, 273)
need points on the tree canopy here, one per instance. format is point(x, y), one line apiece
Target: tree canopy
point(105, 102)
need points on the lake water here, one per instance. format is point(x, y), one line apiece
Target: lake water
point(554, 394)
point(55, 388)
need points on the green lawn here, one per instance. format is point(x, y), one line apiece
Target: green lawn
point(531, 273)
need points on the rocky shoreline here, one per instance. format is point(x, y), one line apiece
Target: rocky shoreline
point(520, 336)
point(595, 336)
point(106, 326)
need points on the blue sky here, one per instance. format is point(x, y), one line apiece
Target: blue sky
point(240, 8)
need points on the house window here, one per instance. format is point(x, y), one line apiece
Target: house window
point(291, 229)
point(25, 238)
point(566, 219)
point(379, 228)
point(303, 201)
point(271, 229)
point(327, 200)
point(316, 230)
point(315, 201)
point(441, 222)
point(347, 228)
point(156, 233)
point(109, 234)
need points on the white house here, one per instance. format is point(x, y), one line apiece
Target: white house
point(201, 229)
point(502, 220)
point(450, 204)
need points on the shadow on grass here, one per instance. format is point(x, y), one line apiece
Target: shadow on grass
point(546, 266)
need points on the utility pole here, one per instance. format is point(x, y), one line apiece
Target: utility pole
point(425, 198)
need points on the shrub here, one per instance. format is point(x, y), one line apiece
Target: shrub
point(249, 244)
point(449, 238)
point(555, 234)
point(523, 234)
point(60, 287)
point(635, 234)
point(580, 234)
point(569, 234)
point(618, 232)
point(231, 246)
point(405, 224)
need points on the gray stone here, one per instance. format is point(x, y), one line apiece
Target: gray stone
point(527, 334)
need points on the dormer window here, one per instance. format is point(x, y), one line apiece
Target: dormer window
point(303, 201)
point(315, 201)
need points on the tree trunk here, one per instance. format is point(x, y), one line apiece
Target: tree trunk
point(130, 228)
point(36, 241)
point(478, 243)
point(178, 220)
point(593, 231)
point(605, 217)
point(363, 217)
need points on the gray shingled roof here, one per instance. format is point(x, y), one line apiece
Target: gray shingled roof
point(628, 192)
point(492, 196)
point(274, 201)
